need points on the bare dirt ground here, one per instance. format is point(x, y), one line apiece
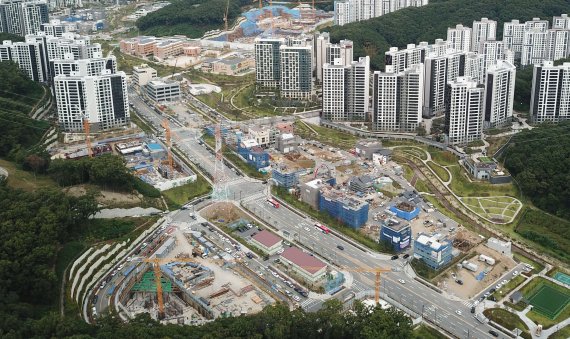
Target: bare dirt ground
point(222, 213)
point(106, 198)
point(471, 286)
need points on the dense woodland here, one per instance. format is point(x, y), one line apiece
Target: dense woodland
point(17, 97)
point(539, 161)
point(190, 17)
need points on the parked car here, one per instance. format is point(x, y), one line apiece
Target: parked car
point(394, 257)
point(493, 333)
point(406, 256)
point(402, 281)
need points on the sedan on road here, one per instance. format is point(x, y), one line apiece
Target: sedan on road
point(402, 281)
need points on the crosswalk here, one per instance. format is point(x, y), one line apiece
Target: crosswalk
point(469, 303)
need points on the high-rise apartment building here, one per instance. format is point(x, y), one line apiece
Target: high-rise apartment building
point(342, 12)
point(335, 88)
point(513, 33)
point(439, 70)
point(56, 28)
point(347, 11)
point(550, 96)
point(460, 38)
point(90, 67)
point(464, 111)
point(499, 94)
point(296, 80)
point(321, 41)
point(268, 62)
point(343, 51)
point(482, 31)
point(30, 56)
point(399, 60)
point(346, 90)
point(80, 46)
point(492, 52)
point(397, 100)
point(561, 22)
point(475, 66)
point(551, 45)
point(102, 99)
point(359, 88)
point(23, 17)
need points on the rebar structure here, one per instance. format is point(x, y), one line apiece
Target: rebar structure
point(220, 189)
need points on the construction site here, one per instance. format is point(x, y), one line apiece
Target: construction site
point(277, 20)
point(199, 281)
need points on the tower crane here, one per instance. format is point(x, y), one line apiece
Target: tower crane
point(87, 129)
point(156, 262)
point(167, 135)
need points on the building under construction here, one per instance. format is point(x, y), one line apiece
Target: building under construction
point(344, 206)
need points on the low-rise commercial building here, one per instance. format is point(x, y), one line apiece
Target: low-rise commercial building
point(503, 247)
point(405, 210)
point(397, 233)
point(163, 90)
point(230, 66)
point(306, 266)
point(350, 210)
point(267, 242)
point(434, 250)
point(260, 134)
point(143, 74)
point(363, 183)
point(286, 142)
point(365, 149)
point(284, 176)
point(254, 156)
point(311, 191)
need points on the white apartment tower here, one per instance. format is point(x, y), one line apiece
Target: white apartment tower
point(56, 28)
point(464, 111)
point(399, 60)
point(482, 31)
point(438, 71)
point(80, 46)
point(513, 33)
point(335, 88)
point(359, 88)
point(492, 51)
point(23, 17)
point(342, 12)
point(346, 90)
point(321, 42)
point(550, 96)
point(296, 72)
point(561, 22)
point(268, 62)
point(102, 99)
point(343, 51)
point(347, 11)
point(90, 67)
point(397, 100)
point(499, 94)
point(30, 57)
point(475, 66)
point(459, 38)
